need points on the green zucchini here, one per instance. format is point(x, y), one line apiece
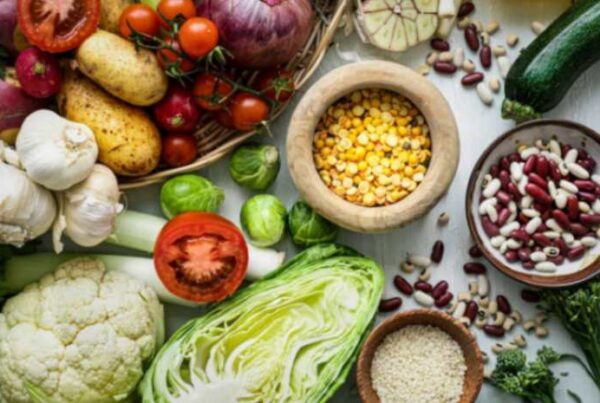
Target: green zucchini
point(546, 69)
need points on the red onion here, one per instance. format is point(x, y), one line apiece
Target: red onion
point(261, 33)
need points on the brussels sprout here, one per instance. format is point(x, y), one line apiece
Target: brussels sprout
point(308, 228)
point(263, 219)
point(254, 166)
point(189, 193)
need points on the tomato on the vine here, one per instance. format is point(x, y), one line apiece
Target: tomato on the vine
point(173, 58)
point(247, 111)
point(139, 18)
point(275, 84)
point(58, 26)
point(211, 91)
point(179, 149)
point(198, 37)
point(169, 10)
point(224, 118)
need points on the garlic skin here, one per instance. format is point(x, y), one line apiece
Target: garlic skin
point(27, 210)
point(56, 152)
point(89, 209)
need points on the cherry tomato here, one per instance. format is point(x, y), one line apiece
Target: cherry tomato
point(210, 91)
point(201, 257)
point(177, 111)
point(247, 111)
point(179, 149)
point(275, 84)
point(224, 118)
point(168, 10)
point(198, 37)
point(58, 26)
point(142, 18)
point(169, 59)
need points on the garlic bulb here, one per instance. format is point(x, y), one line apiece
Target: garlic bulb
point(56, 152)
point(89, 209)
point(27, 210)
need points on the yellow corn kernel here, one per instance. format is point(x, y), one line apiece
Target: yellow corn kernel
point(360, 152)
point(362, 165)
point(363, 139)
point(363, 187)
point(325, 151)
point(352, 169)
point(413, 159)
point(378, 170)
point(415, 131)
point(409, 171)
point(368, 199)
point(331, 160)
point(373, 160)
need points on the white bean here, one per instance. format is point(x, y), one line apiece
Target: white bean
point(446, 56)
point(531, 213)
point(555, 158)
point(578, 171)
point(541, 331)
point(568, 186)
point(503, 66)
point(588, 241)
point(468, 66)
point(459, 312)
point(554, 148)
point(596, 179)
point(545, 267)
point(584, 207)
point(596, 206)
point(494, 84)
point(552, 189)
point(551, 251)
point(492, 188)
point(526, 202)
point(497, 241)
point(560, 200)
point(499, 50)
point(492, 213)
point(553, 225)
point(528, 152)
point(508, 228)
point(483, 285)
point(571, 156)
point(533, 225)
point(485, 94)
point(504, 247)
point(512, 207)
point(459, 57)
point(522, 184)
point(538, 257)
point(513, 244)
point(492, 201)
point(420, 261)
point(568, 237)
point(562, 167)
point(516, 171)
point(424, 299)
point(537, 27)
point(512, 40)
point(552, 234)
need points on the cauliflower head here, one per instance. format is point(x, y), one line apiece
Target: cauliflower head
point(81, 334)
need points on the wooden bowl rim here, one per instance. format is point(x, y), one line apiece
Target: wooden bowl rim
point(373, 74)
point(530, 279)
point(398, 321)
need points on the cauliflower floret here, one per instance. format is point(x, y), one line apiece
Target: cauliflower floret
point(79, 335)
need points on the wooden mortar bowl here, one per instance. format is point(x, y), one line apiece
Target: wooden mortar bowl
point(373, 74)
point(464, 338)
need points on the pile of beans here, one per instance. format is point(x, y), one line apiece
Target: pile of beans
point(540, 206)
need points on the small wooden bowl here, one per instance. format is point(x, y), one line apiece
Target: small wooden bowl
point(563, 131)
point(340, 82)
point(431, 317)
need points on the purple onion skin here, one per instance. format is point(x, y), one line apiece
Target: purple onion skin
point(260, 33)
point(8, 23)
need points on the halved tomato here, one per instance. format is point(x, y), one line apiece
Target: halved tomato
point(58, 26)
point(201, 257)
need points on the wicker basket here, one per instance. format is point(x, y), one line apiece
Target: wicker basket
point(215, 141)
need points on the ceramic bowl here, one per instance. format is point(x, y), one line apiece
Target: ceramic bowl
point(564, 131)
point(366, 75)
point(424, 317)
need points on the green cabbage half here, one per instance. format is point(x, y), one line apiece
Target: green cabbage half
point(291, 337)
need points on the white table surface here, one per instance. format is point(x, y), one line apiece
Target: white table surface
point(479, 126)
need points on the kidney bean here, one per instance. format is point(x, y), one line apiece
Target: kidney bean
point(485, 56)
point(561, 218)
point(573, 207)
point(444, 67)
point(514, 191)
point(588, 164)
point(538, 194)
point(472, 79)
point(524, 254)
point(390, 304)
point(576, 252)
point(541, 239)
point(511, 256)
point(565, 148)
point(554, 172)
point(503, 304)
point(528, 265)
point(440, 44)
point(578, 229)
point(582, 154)
point(520, 235)
point(514, 157)
point(585, 185)
point(437, 252)
point(503, 197)
point(561, 245)
point(494, 170)
point(471, 311)
point(471, 37)
point(403, 285)
point(504, 177)
point(475, 252)
point(587, 197)
point(530, 164)
point(542, 167)
point(440, 289)
point(424, 286)
point(557, 260)
point(494, 330)
point(503, 216)
point(522, 218)
point(474, 268)
point(538, 180)
point(505, 163)
point(489, 227)
point(444, 300)
point(530, 295)
point(589, 220)
point(465, 9)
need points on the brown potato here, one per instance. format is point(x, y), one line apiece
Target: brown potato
point(128, 141)
point(129, 74)
point(110, 13)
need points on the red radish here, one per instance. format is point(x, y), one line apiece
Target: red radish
point(177, 111)
point(39, 73)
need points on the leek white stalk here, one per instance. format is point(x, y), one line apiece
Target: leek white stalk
point(139, 231)
point(27, 210)
point(89, 209)
point(56, 152)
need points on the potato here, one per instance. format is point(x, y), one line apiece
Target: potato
point(129, 74)
point(110, 12)
point(128, 141)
